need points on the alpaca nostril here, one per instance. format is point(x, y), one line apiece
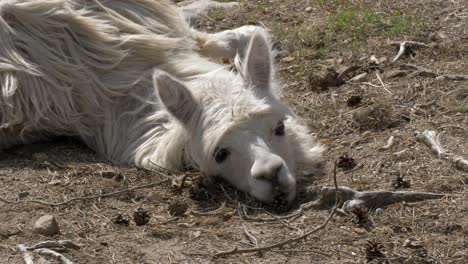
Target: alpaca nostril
point(275, 172)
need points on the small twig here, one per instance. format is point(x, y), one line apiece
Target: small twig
point(302, 251)
point(354, 169)
point(399, 154)
point(52, 253)
point(389, 144)
point(287, 241)
point(248, 235)
point(430, 139)
point(368, 199)
point(412, 70)
point(370, 84)
point(358, 78)
point(284, 221)
point(452, 78)
point(27, 256)
point(346, 71)
point(55, 244)
point(48, 248)
point(276, 217)
point(406, 45)
point(169, 220)
point(213, 212)
point(82, 198)
point(383, 85)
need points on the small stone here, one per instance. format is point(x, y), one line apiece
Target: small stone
point(373, 60)
point(308, 9)
point(46, 225)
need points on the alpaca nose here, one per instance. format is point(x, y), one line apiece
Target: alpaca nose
point(268, 169)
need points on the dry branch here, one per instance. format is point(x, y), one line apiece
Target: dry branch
point(27, 256)
point(55, 244)
point(54, 254)
point(359, 78)
point(452, 78)
point(212, 212)
point(407, 45)
point(48, 248)
point(247, 233)
point(368, 199)
point(431, 140)
point(389, 144)
point(412, 70)
point(82, 198)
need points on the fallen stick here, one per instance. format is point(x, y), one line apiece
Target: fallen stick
point(383, 84)
point(48, 248)
point(149, 185)
point(247, 233)
point(389, 144)
point(405, 46)
point(287, 241)
point(27, 256)
point(452, 78)
point(212, 212)
point(54, 254)
point(368, 199)
point(430, 139)
point(342, 75)
point(359, 78)
point(55, 244)
point(411, 71)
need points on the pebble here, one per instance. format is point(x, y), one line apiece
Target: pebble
point(308, 9)
point(46, 225)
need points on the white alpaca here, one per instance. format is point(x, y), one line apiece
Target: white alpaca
point(139, 86)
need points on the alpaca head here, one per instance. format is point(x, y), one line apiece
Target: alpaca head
point(238, 129)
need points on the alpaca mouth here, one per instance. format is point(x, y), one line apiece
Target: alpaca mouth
point(280, 197)
point(280, 202)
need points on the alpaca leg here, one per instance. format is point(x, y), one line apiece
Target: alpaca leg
point(11, 137)
point(193, 9)
point(226, 44)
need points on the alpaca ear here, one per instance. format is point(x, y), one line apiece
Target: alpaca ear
point(258, 63)
point(175, 96)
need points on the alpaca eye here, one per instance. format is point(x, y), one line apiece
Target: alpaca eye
point(221, 155)
point(279, 130)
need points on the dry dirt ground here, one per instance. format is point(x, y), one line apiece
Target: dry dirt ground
point(314, 39)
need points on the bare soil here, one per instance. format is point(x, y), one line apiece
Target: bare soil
point(313, 39)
